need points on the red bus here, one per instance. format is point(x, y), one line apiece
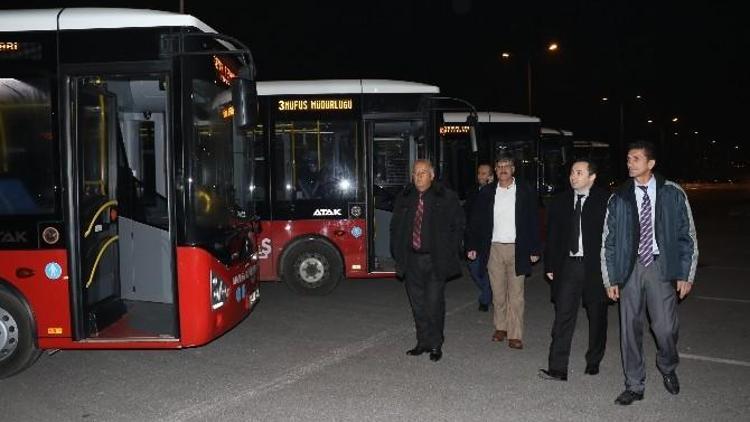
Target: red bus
point(126, 214)
point(331, 155)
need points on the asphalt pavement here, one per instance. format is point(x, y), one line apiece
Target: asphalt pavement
point(342, 357)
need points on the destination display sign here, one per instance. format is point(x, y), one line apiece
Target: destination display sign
point(454, 129)
point(10, 49)
point(322, 104)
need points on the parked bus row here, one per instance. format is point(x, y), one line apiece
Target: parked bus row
point(147, 182)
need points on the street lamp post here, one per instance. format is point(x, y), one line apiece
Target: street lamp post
point(552, 47)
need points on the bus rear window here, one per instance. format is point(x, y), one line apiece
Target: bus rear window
point(27, 175)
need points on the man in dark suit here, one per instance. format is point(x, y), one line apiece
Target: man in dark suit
point(479, 275)
point(572, 263)
point(426, 230)
point(504, 237)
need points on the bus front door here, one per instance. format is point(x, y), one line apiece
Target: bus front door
point(394, 146)
point(125, 284)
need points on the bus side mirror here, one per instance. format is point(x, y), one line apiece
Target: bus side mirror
point(245, 100)
point(472, 120)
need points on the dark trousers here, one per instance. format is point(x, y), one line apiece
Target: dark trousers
point(482, 280)
point(647, 290)
point(568, 296)
point(427, 298)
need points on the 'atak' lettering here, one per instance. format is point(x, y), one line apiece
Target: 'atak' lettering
point(325, 211)
point(13, 237)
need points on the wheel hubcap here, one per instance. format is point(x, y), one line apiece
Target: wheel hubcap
point(8, 334)
point(312, 269)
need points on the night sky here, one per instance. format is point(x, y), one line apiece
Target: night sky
point(686, 59)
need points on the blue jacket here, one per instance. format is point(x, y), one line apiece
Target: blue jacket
point(673, 226)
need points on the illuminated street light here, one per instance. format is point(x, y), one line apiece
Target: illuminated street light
point(505, 55)
point(675, 119)
point(649, 121)
point(552, 47)
point(605, 99)
point(695, 132)
point(676, 133)
point(637, 97)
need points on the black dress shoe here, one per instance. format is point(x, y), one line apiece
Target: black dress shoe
point(416, 351)
point(436, 354)
point(627, 397)
point(671, 383)
point(483, 307)
point(591, 369)
point(551, 374)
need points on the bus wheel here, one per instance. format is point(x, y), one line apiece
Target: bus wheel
point(313, 268)
point(18, 349)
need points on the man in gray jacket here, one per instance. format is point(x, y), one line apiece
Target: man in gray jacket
point(649, 251)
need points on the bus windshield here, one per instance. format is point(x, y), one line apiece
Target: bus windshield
point(219, 155)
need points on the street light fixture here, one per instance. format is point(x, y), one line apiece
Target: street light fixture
point(675, 119)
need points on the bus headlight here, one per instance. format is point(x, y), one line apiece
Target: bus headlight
point(219, 291)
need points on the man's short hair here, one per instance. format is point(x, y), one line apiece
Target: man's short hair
point(505, 157)
point(592, 167)
point(649, 150)
point(424, 161)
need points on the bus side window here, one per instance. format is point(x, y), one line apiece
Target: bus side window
point(321, 160)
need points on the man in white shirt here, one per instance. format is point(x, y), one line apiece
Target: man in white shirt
point(504, 236)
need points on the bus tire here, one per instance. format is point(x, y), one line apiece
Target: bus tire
point(18, 349)
point(313, 267)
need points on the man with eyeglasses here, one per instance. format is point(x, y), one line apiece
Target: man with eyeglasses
point(504, 236)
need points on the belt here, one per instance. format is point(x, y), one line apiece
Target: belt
point(575, 258)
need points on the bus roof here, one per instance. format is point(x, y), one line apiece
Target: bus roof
point(490, 117)
point(344, 86)
point(93, 18)
point(550, 131)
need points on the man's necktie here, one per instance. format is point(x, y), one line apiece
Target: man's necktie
point(416, 233)
point(576, 224)
point(646, 246)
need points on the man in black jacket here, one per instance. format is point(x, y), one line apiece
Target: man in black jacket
point(504, 237)
point(571, 261)
point(480, 277)
point(426, 230)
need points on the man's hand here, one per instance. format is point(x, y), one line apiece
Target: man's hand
point(534, 259)
point(613, 292)
point(683, 288)
point(472, 255)
point(551, 276)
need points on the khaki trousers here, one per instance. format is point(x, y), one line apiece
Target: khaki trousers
point(507, 290)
